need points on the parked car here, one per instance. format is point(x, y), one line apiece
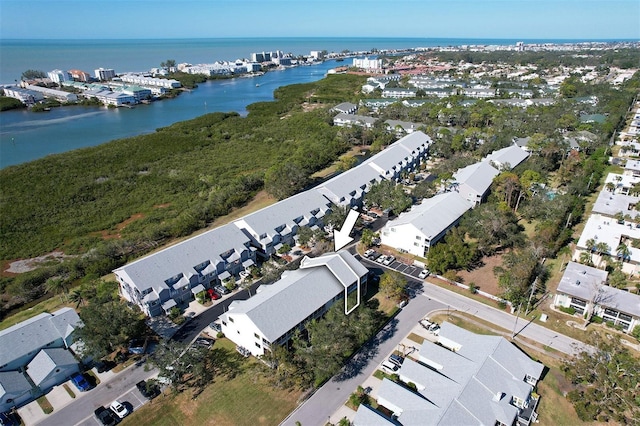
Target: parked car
point(148, 389)
point(204, 342)
point(424, 274)
point(374, 256)
point(8, 419)
point(389, 367)
point(369, 252)
point(244, 275)
point(425, 323)
point(106, 417)
point(221, 289)
point(119, 409)
point(381, 258)
point(212, 294)
point(102, 366)
point(396, 359)
point(80, 381)
point(389, 260)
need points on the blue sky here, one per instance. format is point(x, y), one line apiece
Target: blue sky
point(511, 19)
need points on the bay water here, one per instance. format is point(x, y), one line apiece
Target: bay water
point(26, 136)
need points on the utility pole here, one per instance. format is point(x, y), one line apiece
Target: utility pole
point(533, 289)
point(515, 324)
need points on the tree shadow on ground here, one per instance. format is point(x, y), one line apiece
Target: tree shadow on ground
point(367, 352)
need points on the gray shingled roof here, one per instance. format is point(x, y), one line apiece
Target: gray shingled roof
point(30, 335)
point(285, 213)
point(152, 271)
point(477, 176)
point(12, 383)
point(581, 281)
point(434, 215)
point(279, 307)
point(46, 363)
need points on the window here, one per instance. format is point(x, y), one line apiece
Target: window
point(256, 335)
point(224, 323)
point(418, 237)
point(258, 345)
point(230, 319)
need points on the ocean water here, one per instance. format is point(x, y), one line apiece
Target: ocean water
point(26, 136)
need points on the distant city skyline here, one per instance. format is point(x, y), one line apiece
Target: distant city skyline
point(496, 19)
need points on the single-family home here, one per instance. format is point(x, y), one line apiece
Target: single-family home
point(162, 280)
point(277, 310)
point(584, 289)
point(425, 224)
point(463, 379)
point(345, 108)
point(377, 104)
point(473, 182)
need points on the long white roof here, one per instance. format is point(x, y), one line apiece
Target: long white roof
point(434, 215)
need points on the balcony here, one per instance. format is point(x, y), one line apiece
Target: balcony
point(529, 415)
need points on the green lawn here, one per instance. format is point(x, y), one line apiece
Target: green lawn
point(246, 399)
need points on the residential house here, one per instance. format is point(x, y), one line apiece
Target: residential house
point(277, 310)
point(463, 379)
point(162, 280)
point(15, 390)
point(425, 224)
point(401, 127)
point(50, 367)
point(345, 108)
point(35, 356)
point(343, 119)
point(271, 227)
point(584, 289)
point(507, 158)
point(473, 182)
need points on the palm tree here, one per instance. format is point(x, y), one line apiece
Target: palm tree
point(77, 297)
point(585, 258)
point(56, 285)
point(591, 245)
point(623, 252)
point(603, 250)
point(610, 186)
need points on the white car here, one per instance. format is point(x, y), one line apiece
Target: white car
point(389, 260)
point(381, 258)
point(423, 274)
point(119, 409)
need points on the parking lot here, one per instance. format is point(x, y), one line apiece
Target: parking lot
point(396, 265)
point(131, 400)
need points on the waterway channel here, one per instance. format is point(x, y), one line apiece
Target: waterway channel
point(26, 136)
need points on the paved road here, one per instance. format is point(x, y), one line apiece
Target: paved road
point(326, 400)
point(427, 298)
point(194, 327)
point(121, 387)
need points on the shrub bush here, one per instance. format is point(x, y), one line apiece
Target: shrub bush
point(570, 310)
